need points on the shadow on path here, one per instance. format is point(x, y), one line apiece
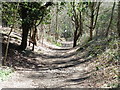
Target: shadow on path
point(78, 79)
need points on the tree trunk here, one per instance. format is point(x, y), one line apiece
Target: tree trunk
point(30, 35)
point(108, 28)
point(25, 27)
point(80, 26)
point(56, 34)
point(75, 38)
point(77, 19)
point(97, 12)
point(74, 42)
point(34, 38)
point(118, 24)
point(92, 20)
point(4, 62)
point(25, 31)
point(96, 18)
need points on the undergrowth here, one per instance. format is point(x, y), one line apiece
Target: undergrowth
point(57, 44)
point(5, 73)
point(53, 41)
point(105, 53)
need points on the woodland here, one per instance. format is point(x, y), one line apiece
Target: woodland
point(60, 44)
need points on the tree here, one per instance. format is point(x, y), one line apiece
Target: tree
point(94, 7)
point(31, 13)
point(56, 34)
point(118, 24)
point(10, 16)
point(110, 19)
point(76, 15)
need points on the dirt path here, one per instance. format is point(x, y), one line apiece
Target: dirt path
point(53, 68)
point(50, 66)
